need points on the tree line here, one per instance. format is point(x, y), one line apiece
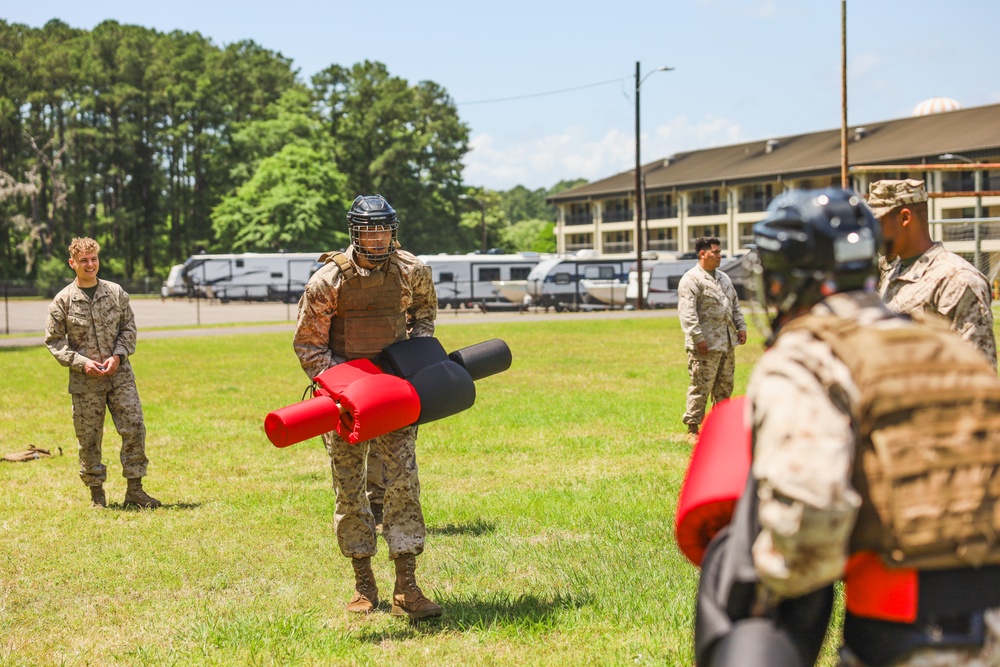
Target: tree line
point(162, 145)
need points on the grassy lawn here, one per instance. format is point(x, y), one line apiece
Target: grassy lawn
point(549, 506)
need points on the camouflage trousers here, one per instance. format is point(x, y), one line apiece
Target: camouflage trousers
point(89, 409)
point(403, 520)
point(987, 656)
point(710, 375)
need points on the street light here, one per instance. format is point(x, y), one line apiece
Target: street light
point(482, 207)
point(639, 203)
point(977, 175)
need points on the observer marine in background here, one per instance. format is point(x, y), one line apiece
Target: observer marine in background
point(920, 274)
point(91, 330)
point(360, 302)
point(713, 326)
point(876, 460)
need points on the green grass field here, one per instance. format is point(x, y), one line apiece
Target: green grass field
point(549, 505)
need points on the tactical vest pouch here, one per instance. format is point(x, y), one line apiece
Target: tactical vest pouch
point(369, 314)
point(928, 458)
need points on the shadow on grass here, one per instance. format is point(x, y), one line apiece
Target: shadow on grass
point(475, 528)
point(121, 507)
point(480, 613)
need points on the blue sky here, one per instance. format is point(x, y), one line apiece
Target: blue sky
point(744, 69)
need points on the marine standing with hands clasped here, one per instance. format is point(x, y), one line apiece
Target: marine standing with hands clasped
point(91, 330)
point(875, 460)
point(713, 326)
point(919, 274)
point(360, 302)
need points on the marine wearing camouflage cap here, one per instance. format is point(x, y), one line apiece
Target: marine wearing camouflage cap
point(885, 195)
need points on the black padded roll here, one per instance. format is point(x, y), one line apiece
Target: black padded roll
point(406, 357)
point(444, 389)
point(483, 359)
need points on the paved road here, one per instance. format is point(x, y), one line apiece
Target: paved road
point(25, 319)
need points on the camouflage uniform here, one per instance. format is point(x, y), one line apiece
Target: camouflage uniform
point(942, 282)
point(709, 311)
point(80, 329)
point(404, 530)
point(803, 403)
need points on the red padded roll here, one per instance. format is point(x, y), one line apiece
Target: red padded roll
point(336, 378)
point(302, 421)
point(376, 405)
point(716, 476)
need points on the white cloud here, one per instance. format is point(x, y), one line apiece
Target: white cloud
point(544, 161)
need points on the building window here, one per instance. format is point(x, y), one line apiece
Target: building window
point(660, 206)
point(579, 214)
point(620, 241)
point(618, 209)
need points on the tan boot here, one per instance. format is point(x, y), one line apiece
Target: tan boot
point(365, 598)
point(408, 599)
point(97, 497)
point(692, 434)
point(135, 495)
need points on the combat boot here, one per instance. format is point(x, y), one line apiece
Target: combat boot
point(407, 598)
point(692, 434)
point(365, 598)
point(97, 497)
point(135, 495)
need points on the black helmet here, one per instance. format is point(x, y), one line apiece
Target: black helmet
point(372, 213)
point(813, 243)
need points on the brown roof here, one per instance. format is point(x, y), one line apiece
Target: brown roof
point(973, 132)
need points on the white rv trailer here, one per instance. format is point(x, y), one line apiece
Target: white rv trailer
point(660, 280)
point(555, 282)
point(278, 276)
point(468, 280)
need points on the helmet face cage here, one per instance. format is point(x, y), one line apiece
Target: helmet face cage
point(812, 244)
point(372, 224)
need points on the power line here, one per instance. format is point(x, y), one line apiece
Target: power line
point(551, 92)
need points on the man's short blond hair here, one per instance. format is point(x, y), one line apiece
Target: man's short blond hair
point(82, 246)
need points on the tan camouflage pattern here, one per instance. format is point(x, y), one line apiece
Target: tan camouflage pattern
point(943, 283)
point(89, 408)
point(711, 375)
point(403, 520)
point(383, 469)
point(709, 310)
point(78, 330)
point(801, 402)
point(885, 195)
point(319, 304)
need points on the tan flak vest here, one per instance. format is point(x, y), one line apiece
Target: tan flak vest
point(927, 463)
point(368, 317)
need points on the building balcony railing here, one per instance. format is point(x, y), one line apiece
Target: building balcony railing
point(753, 204)
point(573, 247)
point(661, 212)
point(707, 208)
point(580, 219)
point(666, 245)
point(618, 247)
point(616, 216)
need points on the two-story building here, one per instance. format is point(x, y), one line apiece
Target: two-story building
point(723, 191)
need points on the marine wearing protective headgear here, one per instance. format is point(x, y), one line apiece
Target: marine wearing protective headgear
point(812, 244)
point(370, 214)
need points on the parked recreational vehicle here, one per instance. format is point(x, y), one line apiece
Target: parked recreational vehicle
point(467, 280)
point(660, 280)
point(555, 282)
point(255, 276)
